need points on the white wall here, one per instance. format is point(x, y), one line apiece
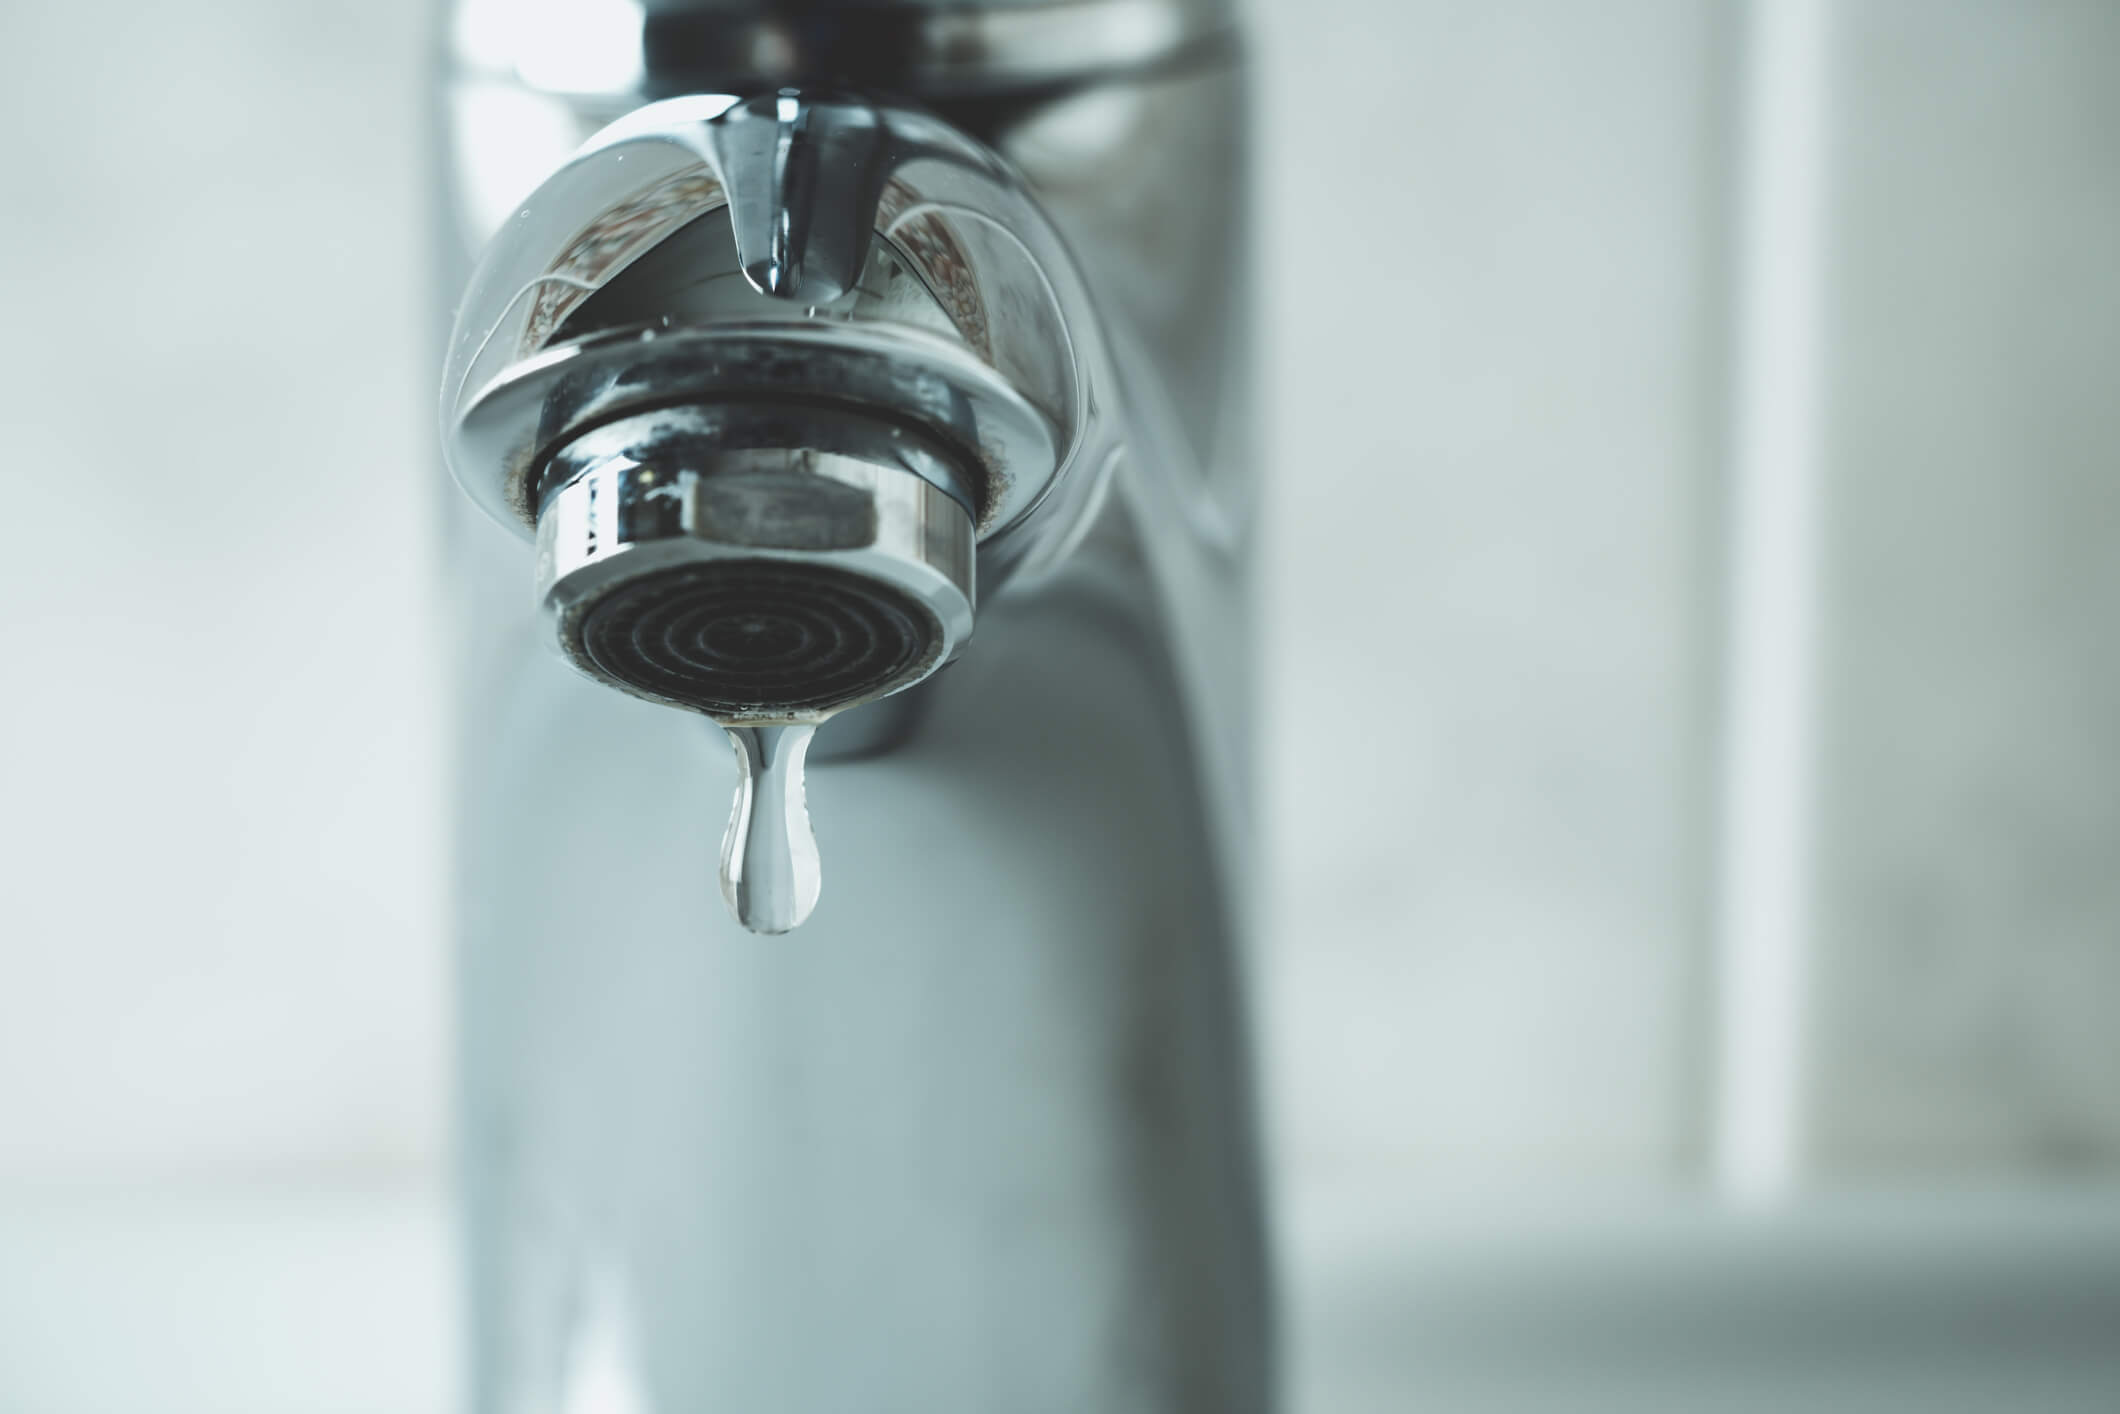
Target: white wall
point(1493, 350)
point(219, 790)
point(1968, 1008)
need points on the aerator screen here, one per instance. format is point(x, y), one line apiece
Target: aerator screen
point(745, 638)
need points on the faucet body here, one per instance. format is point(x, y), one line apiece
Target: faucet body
point(981, 1135)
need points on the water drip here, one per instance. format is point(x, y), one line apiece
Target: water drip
point(770, 871)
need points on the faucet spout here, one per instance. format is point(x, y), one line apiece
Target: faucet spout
point(773, 382)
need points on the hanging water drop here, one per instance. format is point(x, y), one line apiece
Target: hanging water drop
point(770, 873)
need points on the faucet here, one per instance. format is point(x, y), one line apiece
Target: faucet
point(800, 339)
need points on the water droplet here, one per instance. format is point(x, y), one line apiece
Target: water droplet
point(770, 872)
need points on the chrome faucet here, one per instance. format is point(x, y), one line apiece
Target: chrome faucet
point(805, 338)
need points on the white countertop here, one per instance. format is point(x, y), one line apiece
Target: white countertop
point(231, 1301)
point(294, 1301)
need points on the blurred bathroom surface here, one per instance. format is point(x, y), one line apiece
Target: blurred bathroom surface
point(1692, 971)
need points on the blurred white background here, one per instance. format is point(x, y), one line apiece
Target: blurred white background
point(221, 831)
point(1695, 513)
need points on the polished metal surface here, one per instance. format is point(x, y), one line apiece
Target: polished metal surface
point(979, 1135)
point(828, 203)
point(605, 47)
point(827, 288)
point(653, 495)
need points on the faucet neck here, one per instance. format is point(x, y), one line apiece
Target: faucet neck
point(630, 51)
